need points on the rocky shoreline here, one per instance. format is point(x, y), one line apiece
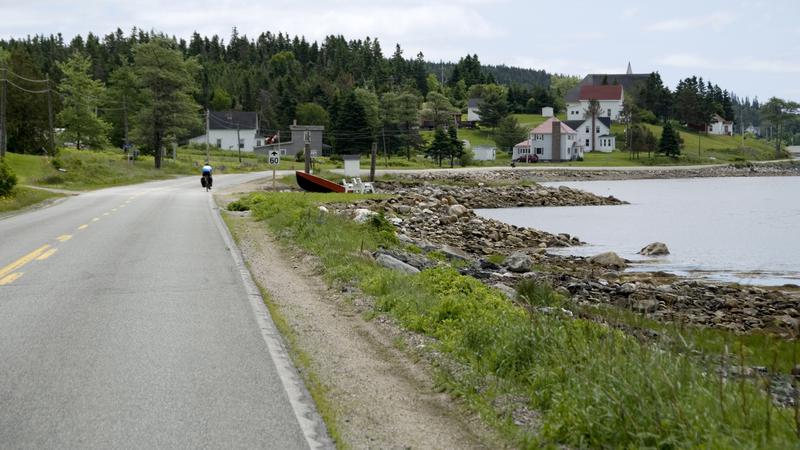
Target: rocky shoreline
point(440, 218)
point(533, 173)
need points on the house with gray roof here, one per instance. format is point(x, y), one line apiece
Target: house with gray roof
point(604, 141)
point(226, 127)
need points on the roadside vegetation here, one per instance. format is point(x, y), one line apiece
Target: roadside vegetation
point(544, 379)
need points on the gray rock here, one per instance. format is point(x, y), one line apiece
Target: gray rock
point(362, 215)
point(457, 210)
point(508, 291)
point(645, 306)
point(608, 259)
point(655, 249)
point(518, 262)
point(393, 263)
point(453, 252)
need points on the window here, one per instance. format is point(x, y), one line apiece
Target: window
point(597, 130)
point(609, 112)
point(258, 142)
point(241, 143)
point(539, 150)
point(587, 142)
point(219, 143)
point(587, 128)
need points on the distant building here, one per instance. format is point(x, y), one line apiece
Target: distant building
point(222, 130)
point(473, 113)
point(295, 143)
point(484, 153)
point(553, 140)
point(720, 126)
point(547, 111)
point(603, 139)
point(610, 97)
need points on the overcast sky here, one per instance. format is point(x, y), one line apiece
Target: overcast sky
point(749, 47)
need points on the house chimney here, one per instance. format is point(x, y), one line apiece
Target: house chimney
point(295, 122)
point(556, 141)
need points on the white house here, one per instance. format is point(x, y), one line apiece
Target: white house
point(720, 126)
point(547, 111)
point(609, 96)
point(553, 140)
point(472, 110)
point(603, 139)
point(222, 130)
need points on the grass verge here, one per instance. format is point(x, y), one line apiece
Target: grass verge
point(23, 197)
point(579, 383)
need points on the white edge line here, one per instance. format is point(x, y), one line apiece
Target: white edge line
point(305, 412)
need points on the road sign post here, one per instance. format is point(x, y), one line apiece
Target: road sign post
point(274, 160)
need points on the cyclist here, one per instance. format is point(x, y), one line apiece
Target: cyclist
point(207, 169)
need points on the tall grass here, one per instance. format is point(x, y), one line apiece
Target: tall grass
point(591, 385)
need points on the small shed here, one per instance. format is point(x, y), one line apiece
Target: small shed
point(352, 165)
point(484, 153)
point(547, 111)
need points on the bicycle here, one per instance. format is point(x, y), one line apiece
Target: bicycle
point(206, 181)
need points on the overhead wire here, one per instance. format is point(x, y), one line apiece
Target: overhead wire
point(7, 70)
point(43, 91)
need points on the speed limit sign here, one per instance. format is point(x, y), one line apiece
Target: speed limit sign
point(274, 158)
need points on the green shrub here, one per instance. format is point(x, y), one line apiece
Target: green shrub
point(7, 179)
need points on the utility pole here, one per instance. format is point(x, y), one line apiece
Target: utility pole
point(3, 93)
point(307, 151)
point(372, 160)
point(208, 138)
point(385, 154)
point(238, 142)
point(127, 144)
point(50, 116)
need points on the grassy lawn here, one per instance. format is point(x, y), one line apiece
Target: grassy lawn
point(23, 197)
point(589, 385)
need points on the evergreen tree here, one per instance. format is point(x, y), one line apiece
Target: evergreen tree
point(167, 83)
point(82, 96)
point(508, 133)
point(26, 112)
point(440, 147)
point(668, 144)
point(493, 106)
point(456, 145)
point(351, 130)
point(123, 94)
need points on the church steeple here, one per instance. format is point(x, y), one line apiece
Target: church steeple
point(630, 71)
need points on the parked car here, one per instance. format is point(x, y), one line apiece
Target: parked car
point(527, 159)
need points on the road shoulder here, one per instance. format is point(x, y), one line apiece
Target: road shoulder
point(376, 392)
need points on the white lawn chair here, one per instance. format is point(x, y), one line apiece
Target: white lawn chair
point(348, 187)
point(365, 186)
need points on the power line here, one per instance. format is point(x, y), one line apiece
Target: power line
point(43, 91)
point(23, 78)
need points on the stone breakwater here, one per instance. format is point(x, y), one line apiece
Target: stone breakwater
point(440, 218)
point(537, 174)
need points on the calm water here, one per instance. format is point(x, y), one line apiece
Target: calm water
point(734, 229)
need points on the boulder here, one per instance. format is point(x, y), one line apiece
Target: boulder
point(453, 252)
point(393, 263)
point(508, 291)
point(457, 210)
point(645, 306)
point(518, 262)
point(655, 249)
point(608, 259)
point(362, 215)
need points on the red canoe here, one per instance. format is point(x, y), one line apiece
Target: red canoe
point(312, 183)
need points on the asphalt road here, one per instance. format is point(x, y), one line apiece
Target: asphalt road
point(127, 320)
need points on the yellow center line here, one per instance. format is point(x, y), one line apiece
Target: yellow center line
point(24, 260)
point(64, 237)
point(95, 219)
point(83, 227)
point(10, 278)
point(105, 214)
point(114, 209)
point(121, 206)
point(46, 254)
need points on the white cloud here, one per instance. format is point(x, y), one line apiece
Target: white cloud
point(716, 21)
point(733, 63)
point(629, 13)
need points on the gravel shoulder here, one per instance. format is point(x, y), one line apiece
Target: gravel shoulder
point(380, 390)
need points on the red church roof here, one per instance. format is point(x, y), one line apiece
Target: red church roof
point(602, 92)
